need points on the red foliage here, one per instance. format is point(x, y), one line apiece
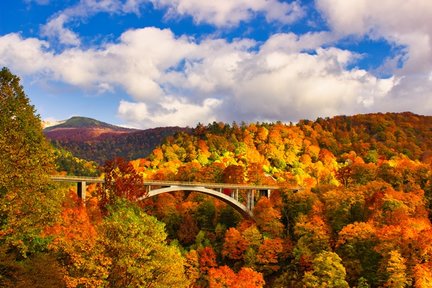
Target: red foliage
point(235, 245)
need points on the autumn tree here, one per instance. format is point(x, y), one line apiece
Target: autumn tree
point(188, 229)
point(234, 245)
point(223, 276)
point(234, 174)
point(356, 246)
point(207, 259)
point(136, 244)
point(27, 200)
point(121, 180)
point(268, 255)
point(327, 271)
point(75, 246)
point(268, 218)
point(396, 270)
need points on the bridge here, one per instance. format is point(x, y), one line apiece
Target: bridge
point(239, 196)
point(81, 182)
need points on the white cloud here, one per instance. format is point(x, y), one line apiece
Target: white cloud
point(173, 111)
point(226, 13)
point(26, 56)
point(55, 29)
point(402, 23)
point(175, 80)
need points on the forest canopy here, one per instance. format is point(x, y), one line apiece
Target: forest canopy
point(353, 207)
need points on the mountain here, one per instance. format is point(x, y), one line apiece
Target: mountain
point(98, 141)
point(83, 129)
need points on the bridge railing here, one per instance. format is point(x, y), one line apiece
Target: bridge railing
point(77, 179)
point(210, 185)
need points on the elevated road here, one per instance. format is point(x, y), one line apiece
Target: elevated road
point(229, 193)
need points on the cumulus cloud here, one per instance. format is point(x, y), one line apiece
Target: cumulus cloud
point(173, 111)
point(225, 13)
point(176, 80)
point(401, 23)
point(55, 29)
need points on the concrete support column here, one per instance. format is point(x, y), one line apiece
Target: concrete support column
point(81, 190)
point(268, 193)
point(252, 200)
point(247, 200)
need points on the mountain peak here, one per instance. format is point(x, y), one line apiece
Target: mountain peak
point(85, 122)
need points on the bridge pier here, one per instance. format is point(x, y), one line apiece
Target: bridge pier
point(81, 190)
point(250, 202)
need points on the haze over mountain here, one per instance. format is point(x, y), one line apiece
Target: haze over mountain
point(98, 141)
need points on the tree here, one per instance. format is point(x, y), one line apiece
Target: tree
point(396, 270)
point(27, 200)
point(222, 277)
point(234, 174)
point(188, 229)
point(268, 255)
point(75, 246)
point(327, 271)
point(207, 259)
point(234, 245)
point(192, 266)
point(121, 180)
point(136, 244)
point(356, 246)
point(267, 217)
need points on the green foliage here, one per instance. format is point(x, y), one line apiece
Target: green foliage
point(327, 271)
point(205, 215)
point(27, 201)
point(66, 162)
point(136, 244)
point(396, 269)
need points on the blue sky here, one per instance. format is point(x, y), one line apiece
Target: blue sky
point(150, 63)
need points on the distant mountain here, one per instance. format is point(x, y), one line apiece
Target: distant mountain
point(84, 129)
point(83, 122)
point(94, 140)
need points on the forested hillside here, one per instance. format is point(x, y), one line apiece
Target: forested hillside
point(97, 141)
point(353, 208)
point(361, 219)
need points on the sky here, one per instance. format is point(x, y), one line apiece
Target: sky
point(153, 63)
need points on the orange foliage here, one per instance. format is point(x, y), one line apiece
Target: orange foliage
point(223, 277)
point(267, 217)
point(207, 259)
point(234, 245)
point(268, 254)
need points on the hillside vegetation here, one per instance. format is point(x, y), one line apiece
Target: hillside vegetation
point(360, 219)
point(97, 141)
point(353, 208)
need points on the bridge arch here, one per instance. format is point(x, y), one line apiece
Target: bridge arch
point(239, 207)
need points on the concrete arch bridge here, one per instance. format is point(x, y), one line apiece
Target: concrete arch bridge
point(228, 193)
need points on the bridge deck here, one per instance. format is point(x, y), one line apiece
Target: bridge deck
point(74, 179)
point(210, 185)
